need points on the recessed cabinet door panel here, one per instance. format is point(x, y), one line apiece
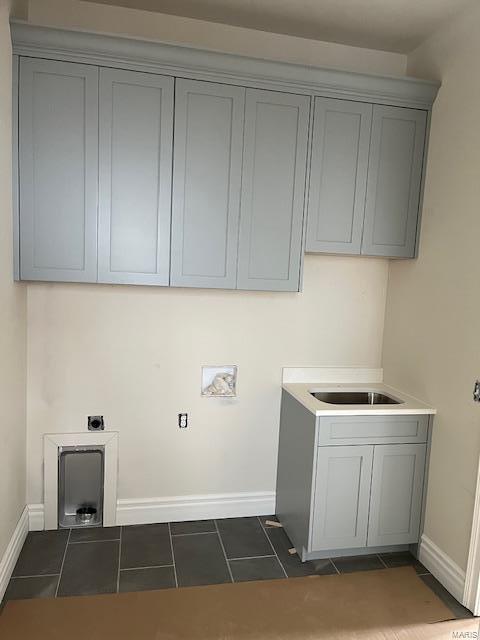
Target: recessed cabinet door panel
point(394, 181)
point(338, 177)
point(206, 184)
point(273, 189)
point(136, 130)
point(396, 497)
point(58, 151)
point(341, 497)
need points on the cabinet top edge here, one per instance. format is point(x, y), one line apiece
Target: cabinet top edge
point(173, 59)
point(409, 405)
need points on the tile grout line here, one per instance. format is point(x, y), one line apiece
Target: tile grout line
point(173, 555)
point(271, 544)
point(271, 555)
point(38, 575)
point(224, 552)
point(195, 533)
point(153, 566)
point(63, 562)
point(90, 541)
point(119, 559)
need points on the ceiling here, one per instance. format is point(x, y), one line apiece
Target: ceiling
point(389, 25)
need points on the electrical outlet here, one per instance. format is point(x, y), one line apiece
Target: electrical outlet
point(183, 420)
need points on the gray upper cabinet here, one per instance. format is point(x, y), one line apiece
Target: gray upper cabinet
point(338, 176)
point(396, 496)
point(58, 151)
point(206, 184)
point(394, 181)
point(135, 173)
point(273, 188)
point(365, 179)
point(342, 492)
point(141, 178)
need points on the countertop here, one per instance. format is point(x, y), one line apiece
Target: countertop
point(409, 405)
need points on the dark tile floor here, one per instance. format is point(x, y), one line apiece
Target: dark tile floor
point(178, 554)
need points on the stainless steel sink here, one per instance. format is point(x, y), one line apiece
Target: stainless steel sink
point(354, 397)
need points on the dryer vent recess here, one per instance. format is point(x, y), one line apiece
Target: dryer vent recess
point(96, 423)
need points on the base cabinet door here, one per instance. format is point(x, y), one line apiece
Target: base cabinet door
point(135, 177)
point(273, 191)
point(396, 494)
point(342, 492)
point(58, 160)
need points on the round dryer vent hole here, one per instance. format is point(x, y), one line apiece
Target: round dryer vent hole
point(96, 423)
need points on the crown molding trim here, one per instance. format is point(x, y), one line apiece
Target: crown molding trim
point(188, 62)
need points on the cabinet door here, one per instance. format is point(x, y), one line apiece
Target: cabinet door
point(338, 176)
point(58, 151)
point(396, 496)
point(206, 183)
point(135, 154)
point(394, 181)
point(342, 491)
point(273, 190)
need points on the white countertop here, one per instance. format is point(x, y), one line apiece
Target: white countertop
point(409, 405)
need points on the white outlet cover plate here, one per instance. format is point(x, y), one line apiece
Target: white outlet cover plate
point(208, 375)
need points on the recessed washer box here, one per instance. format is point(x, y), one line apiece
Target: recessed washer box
point(219, 381)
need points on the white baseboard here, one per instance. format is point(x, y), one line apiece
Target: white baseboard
point(442, 567)
point(196, 507)
point(36, 517)
point(178, 508)
point(10, 557)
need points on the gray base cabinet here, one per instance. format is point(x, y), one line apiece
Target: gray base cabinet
point(342, 492)
point(350, 483)
point(396, 494)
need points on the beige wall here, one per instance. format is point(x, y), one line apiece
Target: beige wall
point(134, 354)
point(12, 320)
point(431, 345)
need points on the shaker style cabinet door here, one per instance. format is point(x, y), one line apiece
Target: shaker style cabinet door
point(338, 176)
point(394, 181)
point(206, 184)
point(342, 491)
point(58, 170)
point(396, 496)
point(135, 177)
point(273, 191)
